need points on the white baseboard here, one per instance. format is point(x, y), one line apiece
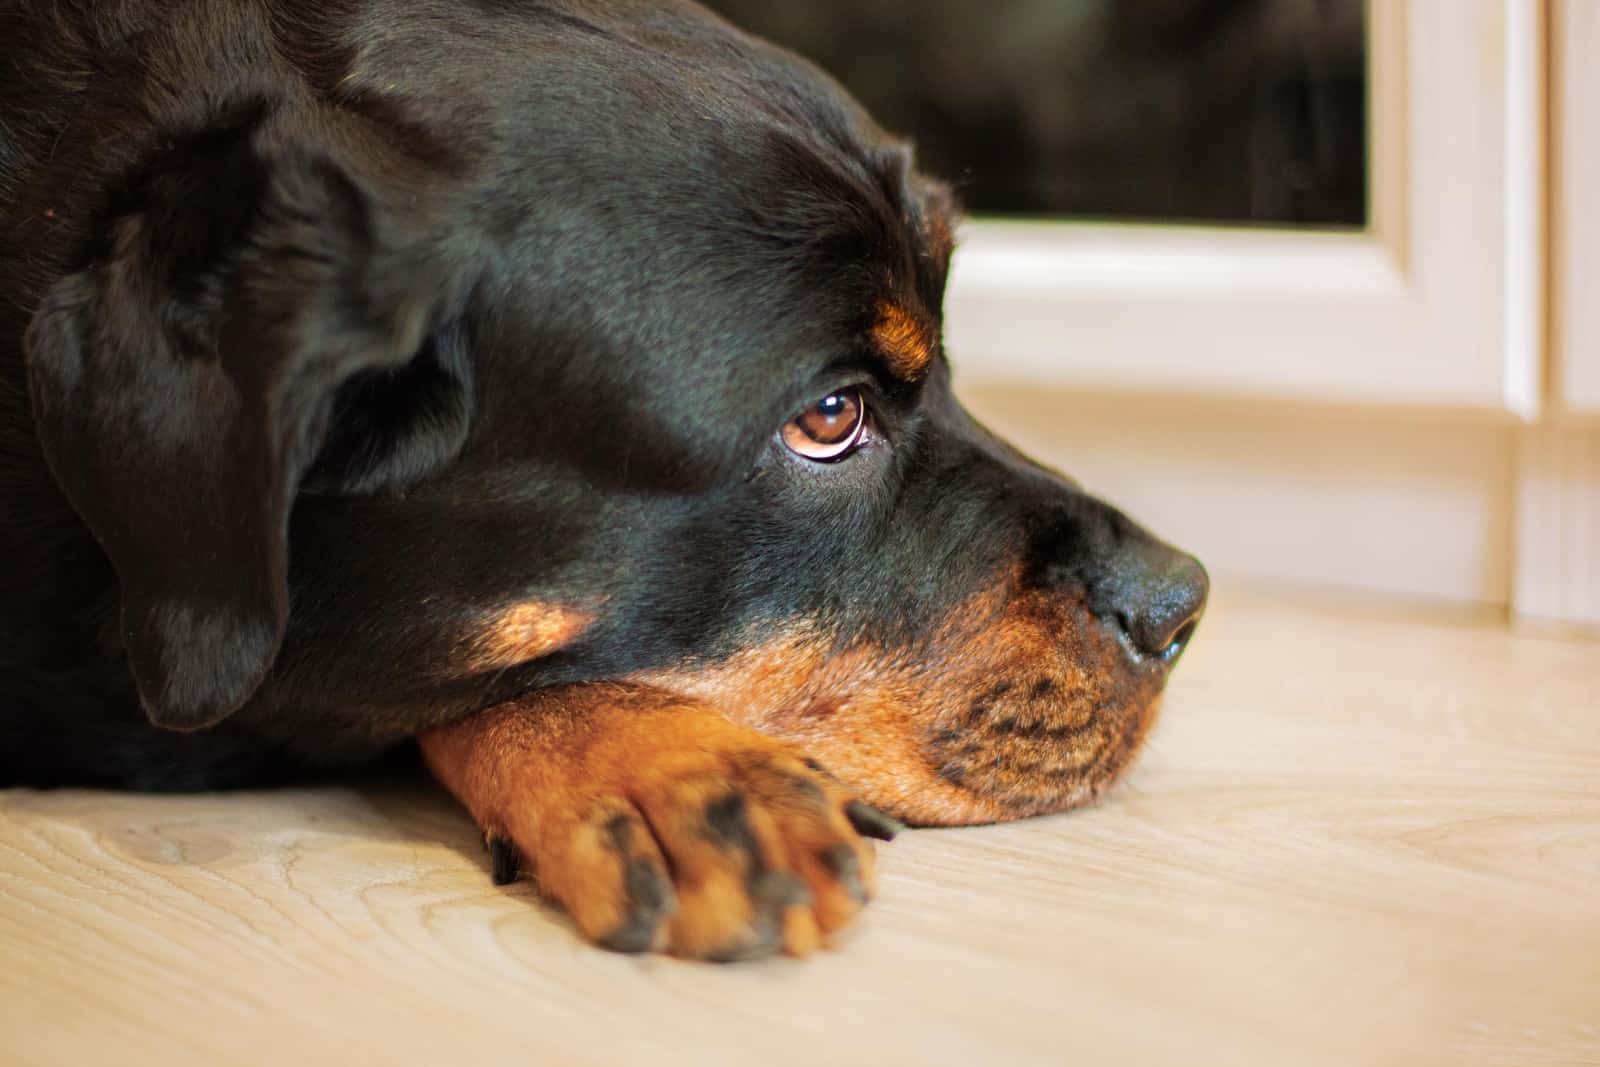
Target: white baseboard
point(1557, 575)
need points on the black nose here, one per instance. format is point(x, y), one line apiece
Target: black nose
point(1131, 581)
point(1156, 595)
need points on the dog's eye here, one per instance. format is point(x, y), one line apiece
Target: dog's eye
point(829, 429)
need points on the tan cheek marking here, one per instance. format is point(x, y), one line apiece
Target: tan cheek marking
point(525, 632)
point(903, 341)
point(871, 738)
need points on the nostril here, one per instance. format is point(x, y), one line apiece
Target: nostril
point(1180, 640)
point(1161, 634)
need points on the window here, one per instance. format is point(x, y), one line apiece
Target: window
point(1368, 178)
point(1222, 111)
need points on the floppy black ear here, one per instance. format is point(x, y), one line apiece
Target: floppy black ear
point(183, 383)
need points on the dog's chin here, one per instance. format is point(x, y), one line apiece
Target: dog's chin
point(1010, 768)
point(1010, 778)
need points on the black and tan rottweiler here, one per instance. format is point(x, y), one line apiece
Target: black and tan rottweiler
point(557, 383)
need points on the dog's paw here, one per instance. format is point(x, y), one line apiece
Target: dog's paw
point(714, 854)
point(660, 825)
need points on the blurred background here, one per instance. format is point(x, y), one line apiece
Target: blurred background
point(1222, 111)
point(1275, 275)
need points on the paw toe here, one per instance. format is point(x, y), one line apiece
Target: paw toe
point(603, 866)
point(649, 900)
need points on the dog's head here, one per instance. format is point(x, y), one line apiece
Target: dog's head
point(443, 358)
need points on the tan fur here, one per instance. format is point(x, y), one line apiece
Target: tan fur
point(903, 340)
point(524, 632)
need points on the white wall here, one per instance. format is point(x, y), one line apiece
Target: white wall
point(1402, 504)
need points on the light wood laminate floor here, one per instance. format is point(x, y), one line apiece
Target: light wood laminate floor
point(1358, 837)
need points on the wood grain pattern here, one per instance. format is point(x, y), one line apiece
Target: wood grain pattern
point(1355, 840)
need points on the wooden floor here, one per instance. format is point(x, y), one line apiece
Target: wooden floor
point(1357, 839)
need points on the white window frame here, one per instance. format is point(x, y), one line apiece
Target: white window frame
point(1438, 304)
point(1575, 235)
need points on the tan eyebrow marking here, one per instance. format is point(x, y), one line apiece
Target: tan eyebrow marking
point(902, 339)
point(524, 632)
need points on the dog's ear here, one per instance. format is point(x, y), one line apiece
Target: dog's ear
point(184, 381)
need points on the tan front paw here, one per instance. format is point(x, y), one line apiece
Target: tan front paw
point(658, 824)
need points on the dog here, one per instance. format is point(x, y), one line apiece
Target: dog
point(557, 386)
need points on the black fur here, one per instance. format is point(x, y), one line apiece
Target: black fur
point(350, 322)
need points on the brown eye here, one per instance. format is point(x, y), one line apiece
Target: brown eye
point(829, 429)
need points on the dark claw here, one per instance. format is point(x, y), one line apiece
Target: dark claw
point(870, 822)
point(843, 863)
point(504, 860)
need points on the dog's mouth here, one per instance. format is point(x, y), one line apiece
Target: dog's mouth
point(1030, 708)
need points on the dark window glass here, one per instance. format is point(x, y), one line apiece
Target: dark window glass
point(1231, 111)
